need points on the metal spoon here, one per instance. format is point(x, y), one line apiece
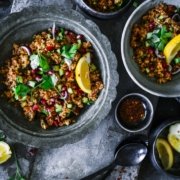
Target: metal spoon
point(129, 154)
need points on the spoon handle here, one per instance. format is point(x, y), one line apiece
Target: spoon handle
point(107, 168)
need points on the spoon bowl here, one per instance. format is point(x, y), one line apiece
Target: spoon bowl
point(131, 154)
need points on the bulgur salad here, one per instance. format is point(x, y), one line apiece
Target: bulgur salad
point(42, 77)
point(155, 40)
point(104, 5)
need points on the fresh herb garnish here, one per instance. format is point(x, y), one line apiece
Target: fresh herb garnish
point(19, 79)
point(177, 60)
point(18, 174)
point(158, 38)
point(39, 60)
point(60, 35)
point(68, 51)
point(21, 90)
point(47, 83)
point(43, 63)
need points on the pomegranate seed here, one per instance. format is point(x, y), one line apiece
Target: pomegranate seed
point(43, 101)
point(66, 32)
point(35, 107)
point(83, 50)
point(55, 123)
point(80, 36)
point(51, 101)
point(152, 25)
point(38, 78)
point(68, 74)
point(50, 72)
point(50, 47)
point(64, 88)
point(150, 50)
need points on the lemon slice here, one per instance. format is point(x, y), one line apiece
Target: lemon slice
point(172, 48)
point(174, 141)
point(165, 153)
point(82, 73)
point(5, 152)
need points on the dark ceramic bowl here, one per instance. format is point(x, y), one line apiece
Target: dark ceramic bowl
point(20, 27)
point(162, 132)
point(170, 89)
point(103, 15)
point(140, 126)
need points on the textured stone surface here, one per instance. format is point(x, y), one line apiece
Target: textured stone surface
point(97, 148)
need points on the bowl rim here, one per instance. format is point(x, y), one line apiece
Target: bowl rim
point(94, 33)
point(122, 49)
point(99, 14)
point(152, 141)
point(148, 121)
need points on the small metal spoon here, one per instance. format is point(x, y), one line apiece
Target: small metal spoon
point(129, 154)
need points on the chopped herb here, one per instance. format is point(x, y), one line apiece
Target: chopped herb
point(19, 79)
point(43, 62)
point(44, 111)
point(21, 90)
point(61, 72)
point(177, 60)
point(158, 38)
point(58, 108)
point(69, 106)
point(47, 83)
point(68, 51)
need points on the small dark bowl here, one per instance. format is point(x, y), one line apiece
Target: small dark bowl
point(162, 131)
point(103, 15)
point(142, 124)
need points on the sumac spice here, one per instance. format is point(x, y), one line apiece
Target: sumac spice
point(132, 110)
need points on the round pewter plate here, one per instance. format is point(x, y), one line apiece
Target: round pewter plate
point(170, 89)
point(19, 28)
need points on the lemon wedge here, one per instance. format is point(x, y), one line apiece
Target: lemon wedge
point(174, 142)
point(172, 48)
point(5, 152)
point(165, 153)
point(82, 73)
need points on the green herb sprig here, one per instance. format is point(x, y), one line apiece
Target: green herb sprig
point(158, 38)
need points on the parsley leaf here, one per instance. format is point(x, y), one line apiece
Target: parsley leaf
point(21, 90)
point(47, 83)
point(43, 62)
point(39, 60)
point(158, 38)
point(68, 51)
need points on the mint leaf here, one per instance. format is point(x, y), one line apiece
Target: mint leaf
point(47, 83)
point(21, 90)
point(43, 62)
point(68, 51)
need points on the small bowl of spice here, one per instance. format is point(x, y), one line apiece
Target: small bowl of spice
point(104, 9)
point(134, 112)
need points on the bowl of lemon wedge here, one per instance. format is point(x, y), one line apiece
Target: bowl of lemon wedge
point(165, 147)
